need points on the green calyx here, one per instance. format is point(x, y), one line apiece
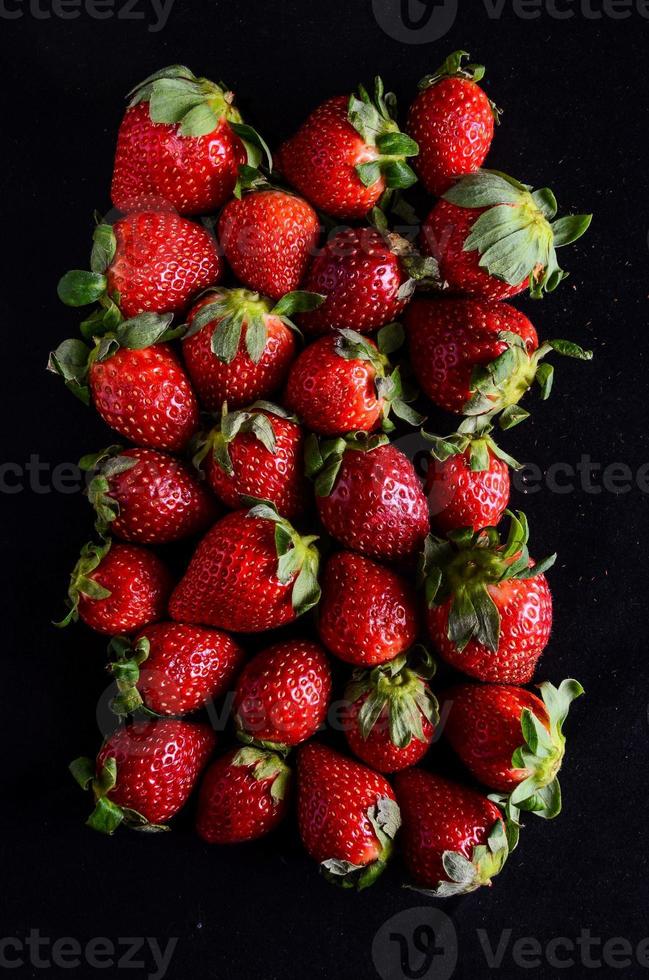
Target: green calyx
point(107, 816)
point(125, 666)
point(374, 118)
point(454, 67)
point(176, 96)
point(423, 270)
point(473, 438)
point(323, 458)
point(395, 393)
point(253, 420)
point(517, 236)
point(385, 818)
point(106, 465)
point(233, 309)
point(399, 691)
point(81, 582)
point(266, 766)
point(498, 386)
point(298, 559)
point(461, 568)
point(487, 860)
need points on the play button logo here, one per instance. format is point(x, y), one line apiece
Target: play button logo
point(415, 21)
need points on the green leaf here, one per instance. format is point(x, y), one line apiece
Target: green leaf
point(390, 338)
point(567, 230)
point(306, 591)
point(256, 337)
point(251, 138)
point(172, 98)
point(80, 288)
point(143, 330)
point(544, 378)
point(511, 416)
point(199, 120)
point(568, 349)
point(369, 173)
point(399, 175)
point(397, 144)
point(463, 622)
point(484, 189)
point(488, 631)
point(227, 336)
point(104, 245)
point(299, 301)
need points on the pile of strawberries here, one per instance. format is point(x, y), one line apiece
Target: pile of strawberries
point(258, 417)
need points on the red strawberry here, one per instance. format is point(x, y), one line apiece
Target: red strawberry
point(251, 572)
point(177, 146)
point(453, 122)
point(256, 453)
point(512, 741)
point(368, 614)
point(147, 262)
point(243, 796)
point(117, 588)
point(146, 496)
point(283, 694)
point(345, 383)
point(239, 346)
point(172, 669)
point(348, 152)
point(454, 839)
point(368, 496)
point(390, 714)
point(347, 815)
point(479, 358)
point(268, 237)
point(144, 773)
point(489, 606)
point(493, 237)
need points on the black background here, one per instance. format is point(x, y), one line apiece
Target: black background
point(576, 117)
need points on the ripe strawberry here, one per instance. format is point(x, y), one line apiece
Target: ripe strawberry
point(493, 238)
point(368, 496)
point(147, 262)
point(345, 383)
point(251, 572)
point(147, 497)
point(171, 669)
point(454, 839)
point(390, 714)
point(239, 346)
point(348, 152)
point(368, 613)
point(489, 605)
point(244, 795)
point(479, 358)
point(512, 741)
point(256, 453)
point(144, 773)
point(117, 588)
point(268, 237)
point(179, 146)
point(347, 816)
point(283, 694)
point(453, 122)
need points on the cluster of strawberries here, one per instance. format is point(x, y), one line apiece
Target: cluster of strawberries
point(313, 325)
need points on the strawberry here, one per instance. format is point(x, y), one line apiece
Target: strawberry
point(454, 839)
point(144, 773)
point(512, 741)
point(453, 122)
point(146, 496)
point(493, 237)
point(390, 714)
point(244, 795)
point(480, 358)
point(345, 383)
point(268, 238)
point(180, 145)
point(117, 588)
point(147, 262)
point(172, 669)
point(256, 453)
point(239, 346)
point(489, 605)
point(467, 482)
point(368, 496)
point(347, 815)
point(251, 572)
point(137, 383)
point(348, 152)
point(368, 613)
point(283, 694)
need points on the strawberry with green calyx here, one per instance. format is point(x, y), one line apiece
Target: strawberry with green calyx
point(244, 796)
point(348, 152)
point(255, 453)
point(513, 741)
point(347, 815)
point(494, 237)
point(391, 713)
point(144, 774)
point(345, 382)
point(489, 606)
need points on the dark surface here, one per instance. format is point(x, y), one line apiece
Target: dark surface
point(576, 118)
